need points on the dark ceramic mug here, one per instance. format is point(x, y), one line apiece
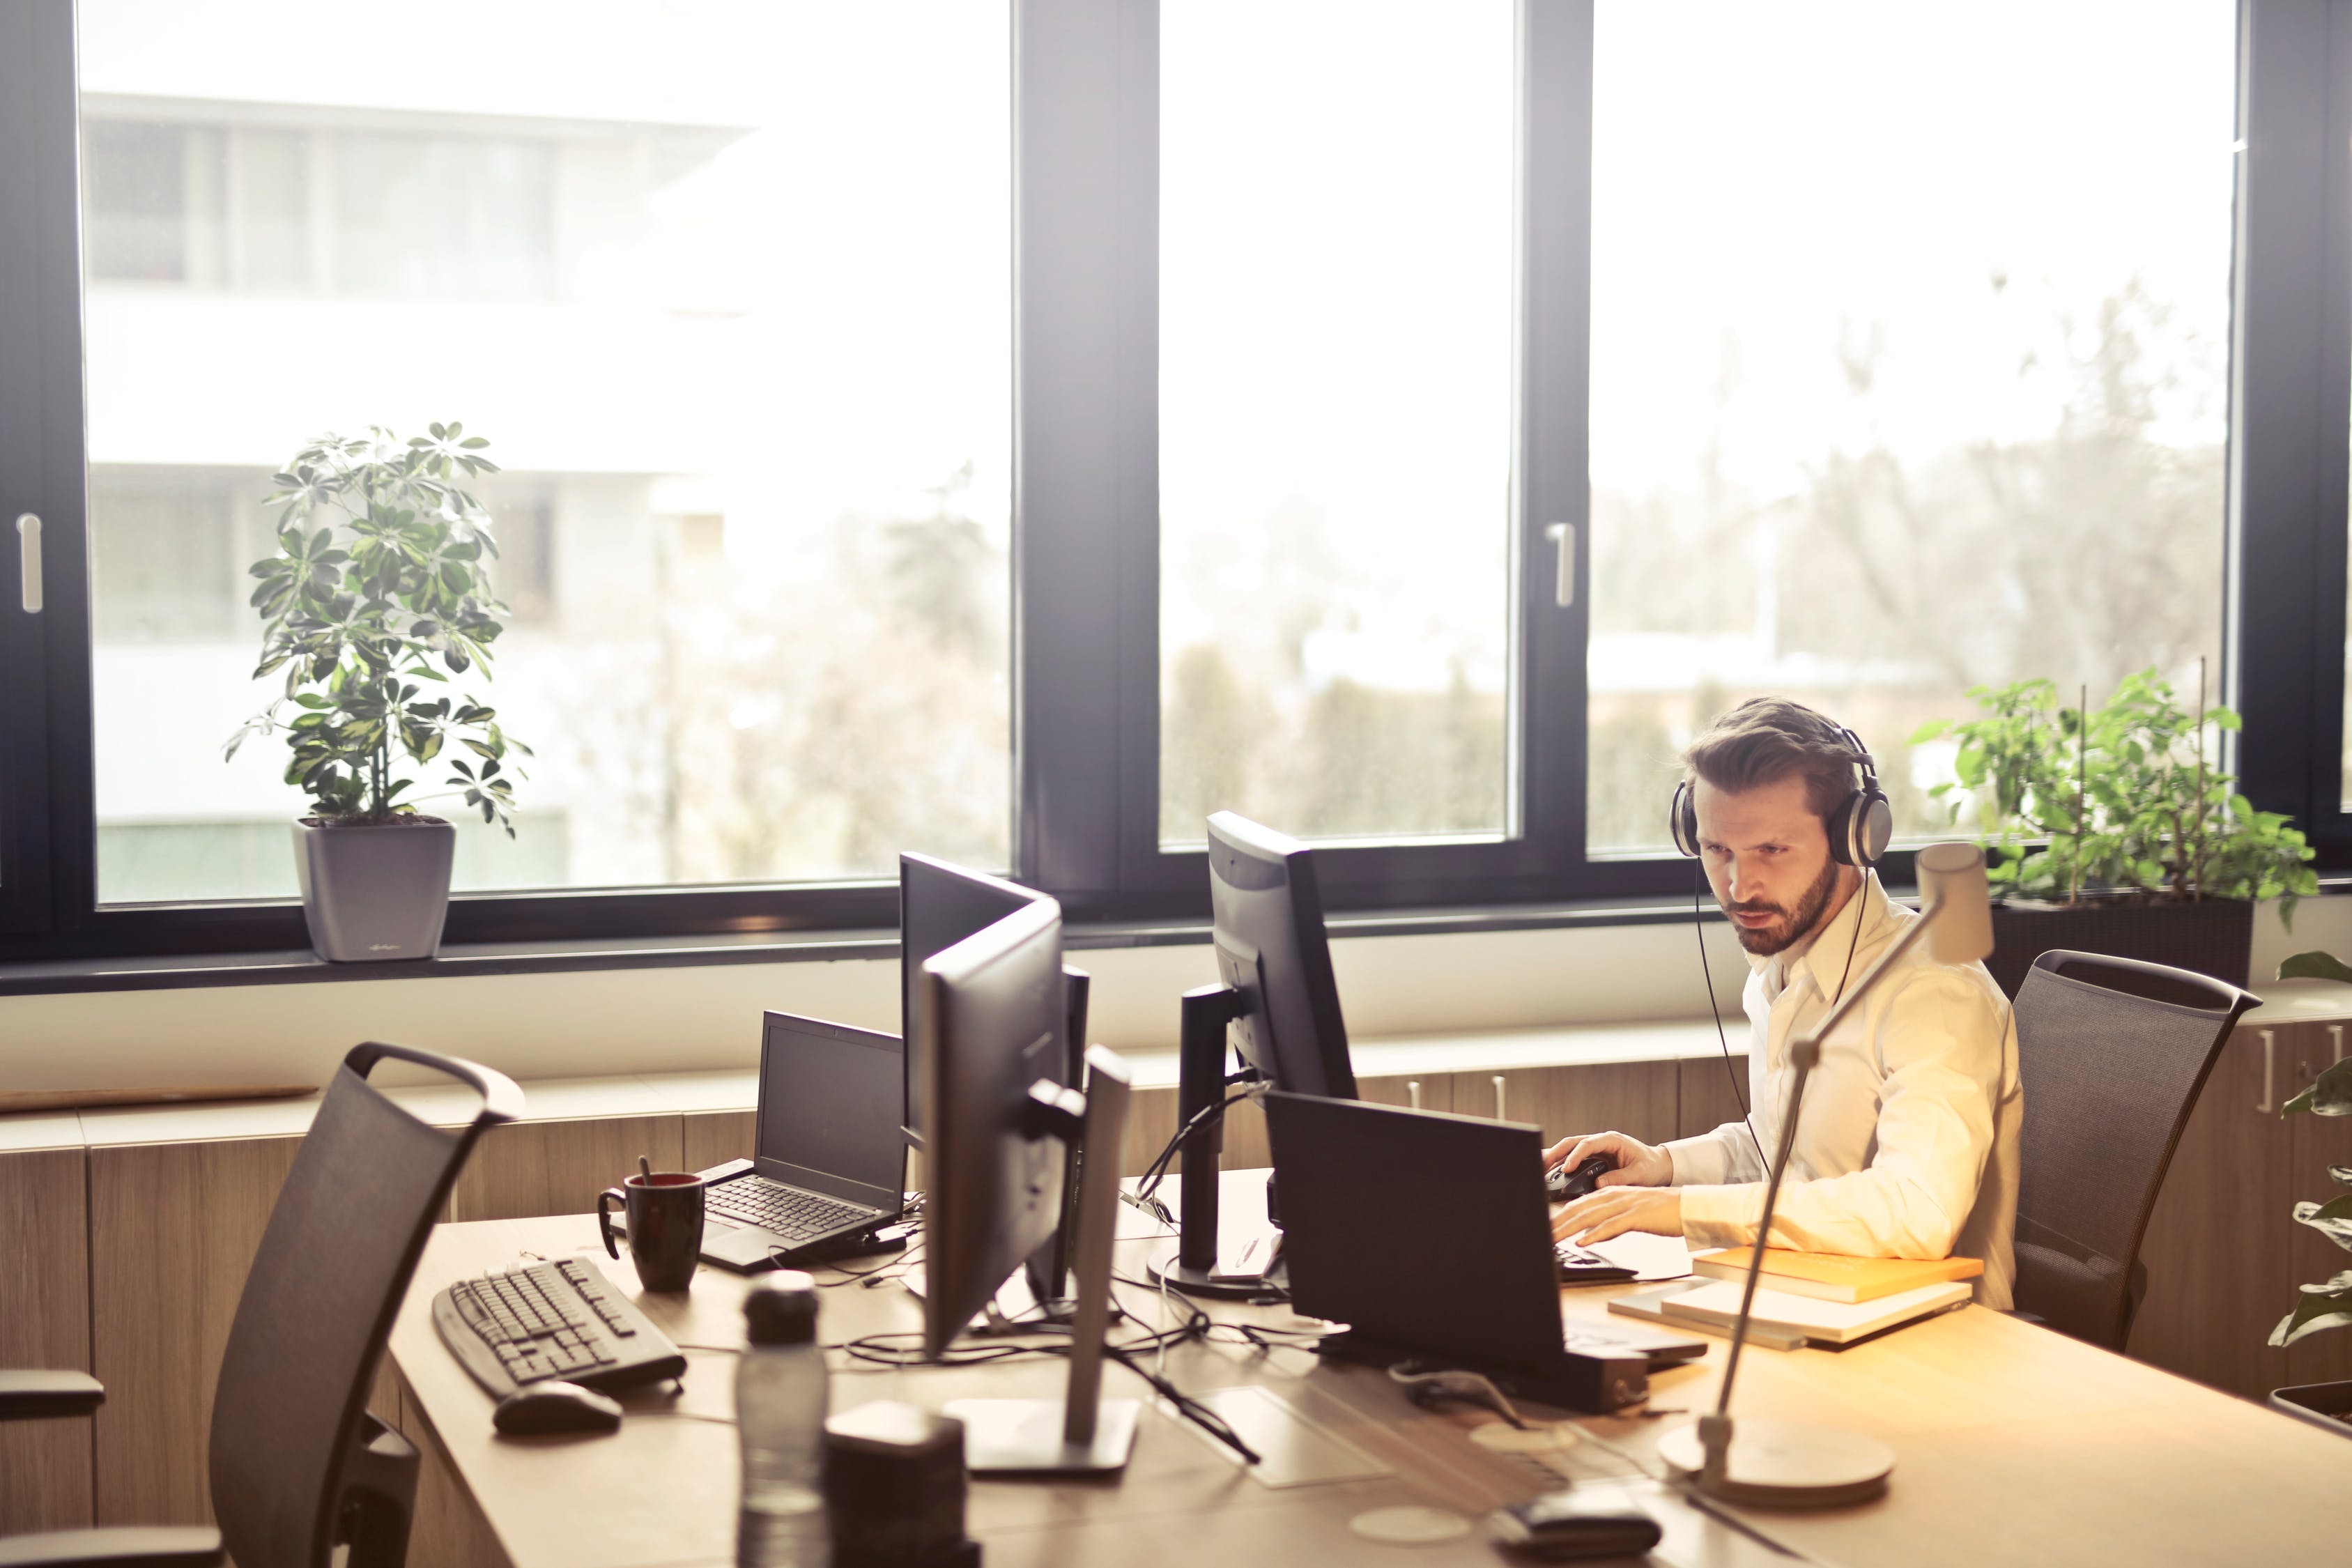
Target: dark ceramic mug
point(664, 1219)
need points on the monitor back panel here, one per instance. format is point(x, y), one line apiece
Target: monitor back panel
point(1419, 1229)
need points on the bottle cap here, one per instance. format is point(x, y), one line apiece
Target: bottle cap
point(781, 1310)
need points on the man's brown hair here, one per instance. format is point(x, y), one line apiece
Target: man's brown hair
point(1766, 739)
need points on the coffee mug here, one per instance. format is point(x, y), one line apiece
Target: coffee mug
point(665, 1217)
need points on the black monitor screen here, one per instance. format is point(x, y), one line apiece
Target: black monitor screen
point(941, 904)
point(1267, 925)
point(829, 1101)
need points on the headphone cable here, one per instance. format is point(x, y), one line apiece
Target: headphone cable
point(1698, 926)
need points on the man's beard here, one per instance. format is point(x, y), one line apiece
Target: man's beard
point(1766, 940)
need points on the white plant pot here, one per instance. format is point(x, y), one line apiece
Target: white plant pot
point(376, 891)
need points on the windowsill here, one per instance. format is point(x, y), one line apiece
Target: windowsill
point(63, 976)
point(299, 966)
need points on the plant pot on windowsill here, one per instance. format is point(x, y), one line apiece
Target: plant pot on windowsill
point(2328, 1405)
point(374, 890)
point(2206, 936)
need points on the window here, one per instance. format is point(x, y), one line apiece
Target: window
point(1016, 432)
point(1336, 327)
point(736, 334)
point(1883, 413)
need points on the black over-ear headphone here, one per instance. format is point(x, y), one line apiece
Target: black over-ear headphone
point(1859, 828)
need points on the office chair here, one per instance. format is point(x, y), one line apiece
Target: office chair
point(2113, 1053)
point(298, 1466)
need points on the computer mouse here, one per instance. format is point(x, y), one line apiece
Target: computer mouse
point(548, 1407)
point(1563, 1185)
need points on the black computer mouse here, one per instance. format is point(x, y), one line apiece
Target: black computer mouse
point(548, 1407)
point(1563, 1185)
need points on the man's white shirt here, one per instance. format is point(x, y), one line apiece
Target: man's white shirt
point(1907, 1142)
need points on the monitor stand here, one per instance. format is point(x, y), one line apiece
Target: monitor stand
point(1192, 1265)
point(1081, 1433)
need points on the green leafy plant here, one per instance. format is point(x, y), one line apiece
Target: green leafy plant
point(380, 575)
point(2327, 1304)
point(2115, 800)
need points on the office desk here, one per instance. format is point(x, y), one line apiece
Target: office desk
point(2015, 1446)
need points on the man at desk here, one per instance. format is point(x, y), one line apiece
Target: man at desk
point(1907, 1146)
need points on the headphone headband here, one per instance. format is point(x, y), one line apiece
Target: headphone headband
point(1859, 828)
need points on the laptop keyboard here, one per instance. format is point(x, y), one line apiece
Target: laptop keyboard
point(787, 1211)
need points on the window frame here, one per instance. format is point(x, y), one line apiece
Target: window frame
point(1085, 594)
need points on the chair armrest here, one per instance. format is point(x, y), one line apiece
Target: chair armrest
point(27, 1396)
point(182, 1546)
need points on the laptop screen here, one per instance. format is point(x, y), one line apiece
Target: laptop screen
point(829, 1102)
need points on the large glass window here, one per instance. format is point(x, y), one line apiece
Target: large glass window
point(1336, 276)
point(726, 287)
point(1909, 358)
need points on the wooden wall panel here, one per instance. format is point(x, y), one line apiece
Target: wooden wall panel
point(44, 1465)
point(1707, 1098)
point(2216, 1245)
point(174, 1228)
point(530, 1168)
point(2316, 1143)
point(711, 1138)
point(1636, 1097)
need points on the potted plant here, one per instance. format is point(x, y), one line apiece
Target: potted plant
point(2327, 1304)
point(2108, 830)
point(378, 579)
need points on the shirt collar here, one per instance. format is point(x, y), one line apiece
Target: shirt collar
point(1834, 942)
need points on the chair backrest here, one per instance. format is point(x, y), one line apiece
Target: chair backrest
point(342, 1241)
point(2112, 1053)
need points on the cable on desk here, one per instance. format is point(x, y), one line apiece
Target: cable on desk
point(1149, 1182)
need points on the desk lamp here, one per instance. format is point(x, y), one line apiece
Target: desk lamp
point(1788, 1464)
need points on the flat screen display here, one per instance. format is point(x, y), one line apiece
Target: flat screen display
point(829, 1101)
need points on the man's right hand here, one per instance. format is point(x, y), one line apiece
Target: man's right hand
point(1638, 1164)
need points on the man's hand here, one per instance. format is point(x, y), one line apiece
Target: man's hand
point(1638, 1164)
point(1600, 1216)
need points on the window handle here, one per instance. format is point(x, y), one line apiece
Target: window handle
point(28, 551)
point(1563, 534)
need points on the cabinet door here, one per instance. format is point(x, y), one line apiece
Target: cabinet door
point(1636, 1097)
point(1710, 1095)
point(2317, 1143)
point(2216, 1245)
point(44, 1465)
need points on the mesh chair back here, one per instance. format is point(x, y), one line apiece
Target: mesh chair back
point(335, 1261)
point(2112, 1053)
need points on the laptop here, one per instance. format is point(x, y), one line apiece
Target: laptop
point(827, 1162)
point(1428, 1235)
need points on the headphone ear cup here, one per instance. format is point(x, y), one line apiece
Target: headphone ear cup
point(1841, 830)
point(1682, 820)
point(1874, 825)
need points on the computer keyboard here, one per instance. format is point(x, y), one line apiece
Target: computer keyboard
point(1582, 1266)
point(787, 1211)
point(559, 1319)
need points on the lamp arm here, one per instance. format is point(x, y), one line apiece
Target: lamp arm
point(1804, 1055)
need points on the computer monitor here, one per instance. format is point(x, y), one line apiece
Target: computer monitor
point(1278, 1007)
point(1266, 921)
point(996, 1122)
point(941, 904)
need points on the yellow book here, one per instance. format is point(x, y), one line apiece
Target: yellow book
point(1833, 1277)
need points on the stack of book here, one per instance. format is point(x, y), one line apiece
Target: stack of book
point(1809, 1297)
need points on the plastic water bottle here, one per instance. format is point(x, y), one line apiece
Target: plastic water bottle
point(780, 1403)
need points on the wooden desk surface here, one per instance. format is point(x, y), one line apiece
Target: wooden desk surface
point(2015, 1444)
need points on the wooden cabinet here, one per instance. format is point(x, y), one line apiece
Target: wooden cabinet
point(44, 1465)
point(2316, 1143)
point(1711, 1094)
point(1636, 1097)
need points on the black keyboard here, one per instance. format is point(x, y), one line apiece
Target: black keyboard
point(1582, 1266)
point(551, 1321)
point(788, 1211)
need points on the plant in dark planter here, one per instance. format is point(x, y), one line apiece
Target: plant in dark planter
point(2110, 830)
point(2327, 1304)
point(377, 595)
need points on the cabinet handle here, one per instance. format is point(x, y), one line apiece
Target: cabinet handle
point(1498, 1099)
point(29, 555)
point(2265, 1107)
point(1412, 1092)
point(2336, 1039)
